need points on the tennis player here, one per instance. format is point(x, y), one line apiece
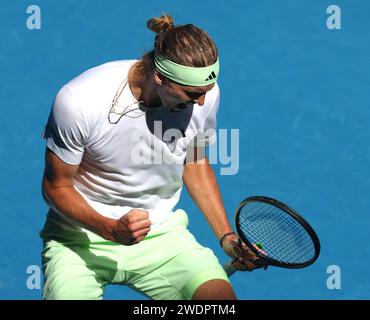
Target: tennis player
point(112, 218)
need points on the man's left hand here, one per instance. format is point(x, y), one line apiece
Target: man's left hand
point(244, 258)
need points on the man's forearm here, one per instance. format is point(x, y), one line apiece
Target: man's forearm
point(69, 202)
point(202, 186)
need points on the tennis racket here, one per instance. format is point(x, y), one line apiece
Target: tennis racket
point(275, 233)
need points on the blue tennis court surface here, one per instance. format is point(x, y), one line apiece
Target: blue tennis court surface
point(297, 91)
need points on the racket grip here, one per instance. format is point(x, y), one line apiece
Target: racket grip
point(229, 268)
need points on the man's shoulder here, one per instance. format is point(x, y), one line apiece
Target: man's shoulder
point(212, 99)
point(100, 78)
point(215, 90)
point(85, 97)
point(94, 89)
point(213, 95)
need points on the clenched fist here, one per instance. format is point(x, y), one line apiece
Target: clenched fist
point(131, 228)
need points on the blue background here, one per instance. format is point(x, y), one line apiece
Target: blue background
point(298, 92)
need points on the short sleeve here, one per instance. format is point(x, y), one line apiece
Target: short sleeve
point(66, 130)
point(207, 135)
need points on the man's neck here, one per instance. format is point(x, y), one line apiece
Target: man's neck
point(142, 87)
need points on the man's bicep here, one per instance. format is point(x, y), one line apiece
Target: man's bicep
point(57, 172)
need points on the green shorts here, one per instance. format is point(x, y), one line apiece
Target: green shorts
point(168, 264)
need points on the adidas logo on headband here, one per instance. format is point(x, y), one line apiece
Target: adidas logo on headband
point(211, 76)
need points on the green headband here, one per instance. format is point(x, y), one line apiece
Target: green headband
point(189, 76)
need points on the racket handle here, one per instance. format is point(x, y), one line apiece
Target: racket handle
point(229, 268)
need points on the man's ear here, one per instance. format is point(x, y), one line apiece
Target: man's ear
point(159, 78)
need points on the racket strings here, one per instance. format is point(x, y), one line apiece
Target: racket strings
point(287, 252)
point(269, 230)
point(268, 210)
point(288, 256)
point(295, 238)
point(282, 237)
point(273, 245)
point(274, 251)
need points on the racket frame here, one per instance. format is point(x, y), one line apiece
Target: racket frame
point(295, 215)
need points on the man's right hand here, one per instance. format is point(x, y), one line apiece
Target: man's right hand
point(131, 228)
point(60, 193)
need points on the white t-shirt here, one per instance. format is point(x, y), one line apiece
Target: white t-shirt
point(134, 163)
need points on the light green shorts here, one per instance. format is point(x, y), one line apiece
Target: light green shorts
point(168, 264)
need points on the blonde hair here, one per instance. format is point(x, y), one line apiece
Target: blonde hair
point(160, 24)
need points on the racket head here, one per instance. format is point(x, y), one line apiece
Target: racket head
point(290, 222)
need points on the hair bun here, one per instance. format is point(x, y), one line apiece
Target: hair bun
point(160, 24)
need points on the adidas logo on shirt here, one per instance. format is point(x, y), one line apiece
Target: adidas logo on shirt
point(211, 76)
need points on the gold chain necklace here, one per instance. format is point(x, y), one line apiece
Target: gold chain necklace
point(117, 111)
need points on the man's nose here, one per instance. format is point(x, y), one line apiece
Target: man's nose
point(200, 100)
